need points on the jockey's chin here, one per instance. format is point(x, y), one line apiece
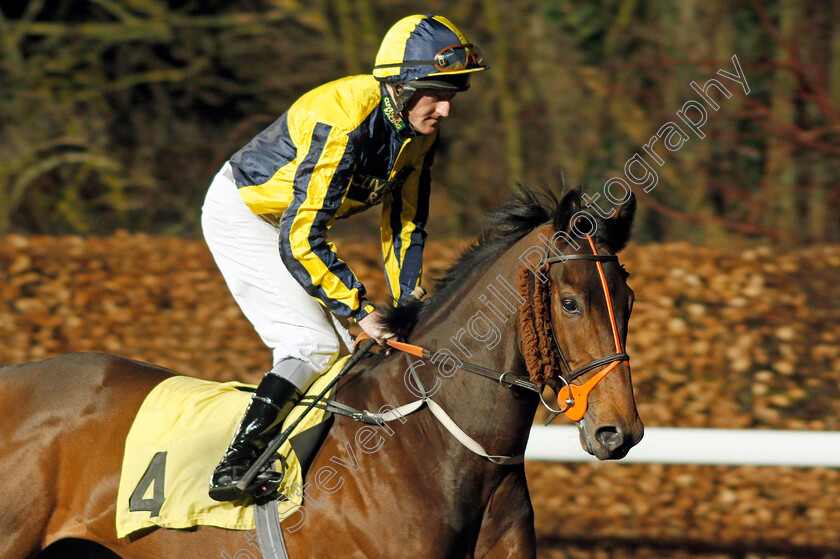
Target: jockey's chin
point(427, 126)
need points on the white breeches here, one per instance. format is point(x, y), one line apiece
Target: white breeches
point(246, 250)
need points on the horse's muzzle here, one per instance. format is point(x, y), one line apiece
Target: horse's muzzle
point(610, 442)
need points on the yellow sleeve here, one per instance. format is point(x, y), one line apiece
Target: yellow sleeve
point(320, 184)
point(404, 215)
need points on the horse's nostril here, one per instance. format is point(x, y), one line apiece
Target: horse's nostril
point(609, 436)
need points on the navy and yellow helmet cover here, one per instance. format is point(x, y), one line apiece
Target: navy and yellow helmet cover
point(417, 38)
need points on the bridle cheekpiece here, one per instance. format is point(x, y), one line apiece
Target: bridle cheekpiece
point(536, 325)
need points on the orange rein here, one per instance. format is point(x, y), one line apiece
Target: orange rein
point(401, 346)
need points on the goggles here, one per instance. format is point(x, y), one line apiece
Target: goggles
point(458, 57)
point(449, 59)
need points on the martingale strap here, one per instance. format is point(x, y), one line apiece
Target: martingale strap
point(440, 414)
point(456, 431)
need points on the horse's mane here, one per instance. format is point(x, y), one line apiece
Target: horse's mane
point(526, 210)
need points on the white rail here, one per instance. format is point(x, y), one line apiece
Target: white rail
point(667, 445)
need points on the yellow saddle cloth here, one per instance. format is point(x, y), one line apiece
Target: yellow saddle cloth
point(177, 439)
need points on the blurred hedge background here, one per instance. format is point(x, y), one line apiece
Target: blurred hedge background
point(115, 114)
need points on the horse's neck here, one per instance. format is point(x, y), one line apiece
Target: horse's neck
point(477, 325)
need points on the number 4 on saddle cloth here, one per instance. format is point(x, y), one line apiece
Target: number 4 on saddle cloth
point(180, 431)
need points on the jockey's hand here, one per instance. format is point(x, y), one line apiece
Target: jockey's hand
point(373, 327)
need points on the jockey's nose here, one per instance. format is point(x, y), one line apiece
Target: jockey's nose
point(443, 107)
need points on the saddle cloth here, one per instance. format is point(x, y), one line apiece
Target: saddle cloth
point(177, 439)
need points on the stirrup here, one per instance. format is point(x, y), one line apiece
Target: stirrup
point(264, 486)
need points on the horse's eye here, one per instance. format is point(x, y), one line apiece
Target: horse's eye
point(569, 306)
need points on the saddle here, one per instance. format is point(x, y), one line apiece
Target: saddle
point(177, 436)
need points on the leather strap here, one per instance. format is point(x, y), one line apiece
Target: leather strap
point(269, 531)
point(598, 363)
point(592, 257)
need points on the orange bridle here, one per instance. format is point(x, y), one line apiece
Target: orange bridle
point(576, 396)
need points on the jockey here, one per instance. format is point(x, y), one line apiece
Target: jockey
point(340, 149)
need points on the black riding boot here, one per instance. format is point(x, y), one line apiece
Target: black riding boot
point(274, 398)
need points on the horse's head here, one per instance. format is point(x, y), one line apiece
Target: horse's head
point(572, 324)
point(581, 339)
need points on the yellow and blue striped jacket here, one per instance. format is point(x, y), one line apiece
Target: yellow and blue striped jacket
point(333, 154)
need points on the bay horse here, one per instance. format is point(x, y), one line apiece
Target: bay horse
point(420, 493)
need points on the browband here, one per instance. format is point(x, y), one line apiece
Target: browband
point(593, 257)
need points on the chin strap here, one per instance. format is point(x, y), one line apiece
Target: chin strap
point(402, 94)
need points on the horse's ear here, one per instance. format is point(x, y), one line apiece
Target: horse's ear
point(569, 205)
point(619, 227)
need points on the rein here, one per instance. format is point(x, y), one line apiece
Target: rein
point(505, 379)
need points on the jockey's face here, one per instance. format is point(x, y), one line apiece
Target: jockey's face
point(426, 107)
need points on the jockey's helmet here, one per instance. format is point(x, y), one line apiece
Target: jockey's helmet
point(426, 52)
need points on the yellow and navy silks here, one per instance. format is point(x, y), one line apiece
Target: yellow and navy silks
point(337, 151)
point(180, 432)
